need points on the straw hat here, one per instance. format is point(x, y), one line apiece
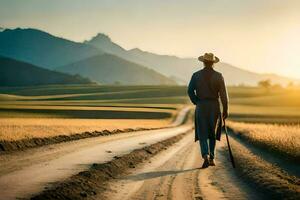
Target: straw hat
point(209, 57)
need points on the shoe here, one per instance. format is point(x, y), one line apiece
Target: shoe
point(212, 162)
point(205, 163)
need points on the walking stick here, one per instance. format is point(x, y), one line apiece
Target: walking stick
point(228, 144)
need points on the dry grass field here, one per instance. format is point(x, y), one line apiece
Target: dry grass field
point(268, 122)
point(267, 178)
point(280, 139)
point(45, 111)
point(38, 111)
point(12, 129)
point(278, 105)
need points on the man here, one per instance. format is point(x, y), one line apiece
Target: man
point(205, 89)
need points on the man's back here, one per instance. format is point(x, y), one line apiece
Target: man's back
point(208, 84)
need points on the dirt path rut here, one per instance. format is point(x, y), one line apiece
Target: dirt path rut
point(176, 174)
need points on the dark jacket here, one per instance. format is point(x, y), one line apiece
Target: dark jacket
point(205, 89)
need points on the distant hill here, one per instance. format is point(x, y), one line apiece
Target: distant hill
point(41, 48)
point(110, 69)
point(180, 69)
point(18, 73)
point(102, 41)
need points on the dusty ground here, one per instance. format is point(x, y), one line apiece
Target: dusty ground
point(176, 174)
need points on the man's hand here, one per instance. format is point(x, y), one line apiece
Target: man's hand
point(225, 115)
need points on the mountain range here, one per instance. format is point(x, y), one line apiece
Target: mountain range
point(110, 69)
point(42, 49)
point(104, 61)
point(180, 69)
point(18, 73)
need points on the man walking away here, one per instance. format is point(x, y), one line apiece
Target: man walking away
point(205, 89)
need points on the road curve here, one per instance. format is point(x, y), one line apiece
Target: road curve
point(23, 174)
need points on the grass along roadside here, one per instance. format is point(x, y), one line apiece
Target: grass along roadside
point(269, 179)
point(88, 184)
point(13, 129)
point(282, 140)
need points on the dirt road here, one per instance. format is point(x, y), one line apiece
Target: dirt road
point(176, 174)
point(23, 174)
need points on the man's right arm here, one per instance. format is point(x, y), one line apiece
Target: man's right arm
point(224, 97)
point(191, 91)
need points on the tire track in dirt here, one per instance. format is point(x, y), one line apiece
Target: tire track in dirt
point(177, 185)
point(183, 185)
point(175, 174)
point(157, 180)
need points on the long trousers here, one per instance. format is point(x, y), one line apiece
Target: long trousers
point(208, 148)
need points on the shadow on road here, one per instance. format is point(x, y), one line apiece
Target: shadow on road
point(155, 174)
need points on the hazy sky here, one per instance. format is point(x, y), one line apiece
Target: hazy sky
point(258, 35)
